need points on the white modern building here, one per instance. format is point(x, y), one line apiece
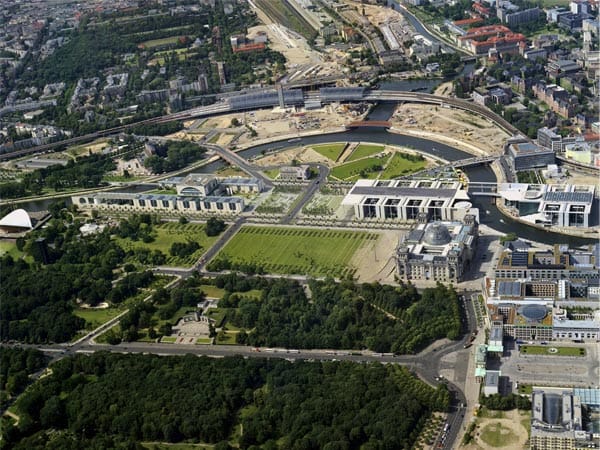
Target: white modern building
point(408, 199)
point(550, 205)
point(158, 204)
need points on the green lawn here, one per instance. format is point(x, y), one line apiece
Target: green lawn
point(305, 251)
point(168, 339)
point(272, 173)
point(218, 315)
point(362, 168)
point(166, 234)
point(228, 339)
point(96, 317)
point(400, 165)
point(158, 42)
point(331, 151)
point(212, 291)
point(11, 249)
point(551, 3)
point(364, 150)
point(551, 350)
point(214, 138)
point(204, 341)
point(497, 435)
point(525, 389)
point(231, 171)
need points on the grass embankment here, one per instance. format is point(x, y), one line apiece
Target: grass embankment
point(364, 150)
point(330, 151)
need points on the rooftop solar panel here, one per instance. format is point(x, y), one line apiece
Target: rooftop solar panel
point(553, 196)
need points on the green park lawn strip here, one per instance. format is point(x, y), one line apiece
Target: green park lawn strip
point(552, 3)
point(166, 234)
point(214, 139)
point(331, 151)
point(168, 339)
point(364, 150)
point(399, 165)
point(11, 249)
point(212, 291)
point(303, 251)
point(525, 389)
point(359, 169)
point(218, 315)
point(158, 42)
point(272, 173)
point(552, 351)
point(204, 341)
point(227, 339)
point(94, 317)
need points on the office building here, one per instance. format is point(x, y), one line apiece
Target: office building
point(564, 418)
point(159, 204)
point(526, 156)
point(405, 199)
point(547, 138)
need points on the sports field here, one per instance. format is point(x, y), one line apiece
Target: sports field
point(304, 251)
point(331, 151)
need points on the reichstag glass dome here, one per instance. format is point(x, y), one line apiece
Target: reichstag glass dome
point(437, 234)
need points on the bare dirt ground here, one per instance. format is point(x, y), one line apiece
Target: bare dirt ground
point(516, 435)
point(378, 14)
point(576, 178)
point(375, 262)
point(296, 50)
point(444, 89)
point(477, 134)
point(301, 154)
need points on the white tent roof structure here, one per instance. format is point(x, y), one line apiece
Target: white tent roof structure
point(17, 219)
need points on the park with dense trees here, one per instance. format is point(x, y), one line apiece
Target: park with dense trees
point(16, 364)
point(341, 315)
point(117, 401)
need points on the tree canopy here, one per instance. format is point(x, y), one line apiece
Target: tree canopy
point(123, 399)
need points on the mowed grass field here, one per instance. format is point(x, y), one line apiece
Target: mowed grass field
point(331, 151)
point(364, 150)
point(303, 251)
point(399, 165)
point(352, 170)
point(166, 234)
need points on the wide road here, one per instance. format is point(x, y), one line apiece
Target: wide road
point(308, 193)
point(425, 364)
point(235, 159)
